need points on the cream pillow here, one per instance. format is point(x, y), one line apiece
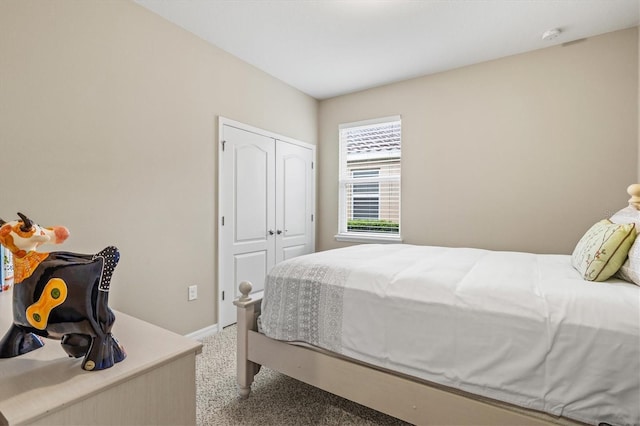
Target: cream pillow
point(630, 269)
point(603, 249)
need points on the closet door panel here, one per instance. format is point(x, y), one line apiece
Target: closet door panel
point(247, 236)
point(294, 200)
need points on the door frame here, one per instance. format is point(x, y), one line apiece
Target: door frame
point(222, 121)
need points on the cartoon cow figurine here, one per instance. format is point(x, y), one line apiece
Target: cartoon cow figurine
point(59, 295)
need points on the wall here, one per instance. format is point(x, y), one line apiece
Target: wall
point(520, 153)
point(108, 125)
point(638, 117)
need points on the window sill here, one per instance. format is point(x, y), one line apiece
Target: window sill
point(357, 238)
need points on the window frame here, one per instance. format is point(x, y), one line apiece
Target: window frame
point(343, 182)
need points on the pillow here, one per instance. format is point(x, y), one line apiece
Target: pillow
point(602, 250)
point(630, 269)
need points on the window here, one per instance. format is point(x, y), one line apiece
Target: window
point(370, 180)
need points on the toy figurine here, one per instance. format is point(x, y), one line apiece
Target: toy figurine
point(59, 295)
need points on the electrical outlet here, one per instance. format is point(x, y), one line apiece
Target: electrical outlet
point(193, 292)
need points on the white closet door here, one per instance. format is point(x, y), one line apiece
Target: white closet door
point(294, 200)
point(247, 249)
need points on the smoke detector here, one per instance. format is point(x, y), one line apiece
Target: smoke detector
point(551, 34)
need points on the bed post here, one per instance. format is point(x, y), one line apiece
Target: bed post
point(246, 310)
point(634, 191)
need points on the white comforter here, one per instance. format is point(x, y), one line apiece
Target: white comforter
point(517, 327)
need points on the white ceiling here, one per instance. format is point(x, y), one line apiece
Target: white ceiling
point(327, 48)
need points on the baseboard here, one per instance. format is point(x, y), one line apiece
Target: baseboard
point(203, 332)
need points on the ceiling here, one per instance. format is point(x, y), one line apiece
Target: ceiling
point(327, 48)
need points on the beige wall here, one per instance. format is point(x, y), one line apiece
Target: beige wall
point(520, 153)
point(108, 125)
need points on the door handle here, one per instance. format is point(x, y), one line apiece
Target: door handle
point(278, 232)
point(270, 231)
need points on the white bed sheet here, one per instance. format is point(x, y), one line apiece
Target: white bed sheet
point(517, 327)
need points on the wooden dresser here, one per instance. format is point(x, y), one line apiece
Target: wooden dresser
point(154, 385)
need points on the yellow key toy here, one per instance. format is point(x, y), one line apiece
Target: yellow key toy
point(54, 294)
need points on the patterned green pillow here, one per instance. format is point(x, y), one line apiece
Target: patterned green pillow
point(630, 269)
point(603, 249)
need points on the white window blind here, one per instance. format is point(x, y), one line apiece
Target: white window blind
point(370, 178)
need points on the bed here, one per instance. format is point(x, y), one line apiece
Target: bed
point(437, 335)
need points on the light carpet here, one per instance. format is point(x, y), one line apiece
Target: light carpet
point(275, 398)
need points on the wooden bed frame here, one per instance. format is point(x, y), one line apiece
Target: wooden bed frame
point(409, 399)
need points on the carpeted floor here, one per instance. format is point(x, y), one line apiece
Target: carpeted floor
point(275, 399)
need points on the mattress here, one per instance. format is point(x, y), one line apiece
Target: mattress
point(517, 327)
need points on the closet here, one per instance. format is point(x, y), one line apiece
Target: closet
point(266, 190)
